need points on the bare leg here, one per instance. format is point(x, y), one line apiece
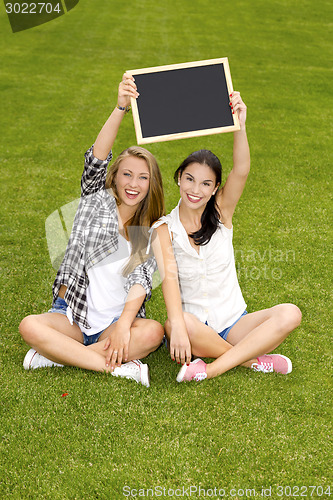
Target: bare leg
point(205, 342)
point(256, 334)
point(54, 337)
point(146, 337)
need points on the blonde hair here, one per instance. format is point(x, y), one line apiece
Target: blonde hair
point(149, 210)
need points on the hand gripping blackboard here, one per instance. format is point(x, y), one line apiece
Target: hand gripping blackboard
point(183, 100)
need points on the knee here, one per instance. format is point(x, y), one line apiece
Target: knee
point(188, 324)
point(154, 333)
point(289, 316)
point(167, 327)
point(191, 325)
point(27, 328)
point(295, 315)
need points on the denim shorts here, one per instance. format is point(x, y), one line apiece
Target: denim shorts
point(60, 306)
point(224, 333)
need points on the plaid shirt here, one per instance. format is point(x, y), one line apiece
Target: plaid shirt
point(94, 236)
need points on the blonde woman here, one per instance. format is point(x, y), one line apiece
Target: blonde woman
point(97, 320)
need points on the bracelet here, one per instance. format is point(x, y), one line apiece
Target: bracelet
point(126, 109)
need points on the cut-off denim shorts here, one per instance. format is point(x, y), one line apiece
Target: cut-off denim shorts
point(60, 306)
point(224, 333)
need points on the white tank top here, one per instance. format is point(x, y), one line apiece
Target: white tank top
point(208, 279)
point(106, 294)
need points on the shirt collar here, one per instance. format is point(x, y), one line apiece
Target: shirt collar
point(179, 232)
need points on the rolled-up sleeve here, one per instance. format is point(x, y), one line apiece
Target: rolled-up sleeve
point(94, 172)
point(142, 275)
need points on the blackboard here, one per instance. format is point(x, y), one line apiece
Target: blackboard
point(183, 100)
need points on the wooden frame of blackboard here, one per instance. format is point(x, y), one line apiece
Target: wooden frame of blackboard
point(178, 101)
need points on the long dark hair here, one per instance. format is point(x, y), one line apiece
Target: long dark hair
point(210, 216)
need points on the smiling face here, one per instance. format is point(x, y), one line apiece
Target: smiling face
point(197, 185)
point(132, 181)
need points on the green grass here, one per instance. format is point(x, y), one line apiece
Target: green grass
point(242, 430)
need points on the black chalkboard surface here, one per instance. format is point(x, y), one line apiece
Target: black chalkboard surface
point(183, 100)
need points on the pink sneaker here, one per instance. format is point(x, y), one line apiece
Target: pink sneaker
point(196, 370)
point(273, 363)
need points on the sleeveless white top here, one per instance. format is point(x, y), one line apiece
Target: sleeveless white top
point(106, 295)
point(208, 279)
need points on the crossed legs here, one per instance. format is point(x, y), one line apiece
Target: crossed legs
point(52, 335)
point(253, 335)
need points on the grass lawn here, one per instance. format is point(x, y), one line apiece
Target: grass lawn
point(243, 431)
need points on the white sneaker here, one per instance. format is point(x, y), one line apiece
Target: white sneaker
point(135, 370)
point(34, 360)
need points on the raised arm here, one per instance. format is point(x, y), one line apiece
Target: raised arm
point(229, 195)
point(108, 134)
point(180, 347)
